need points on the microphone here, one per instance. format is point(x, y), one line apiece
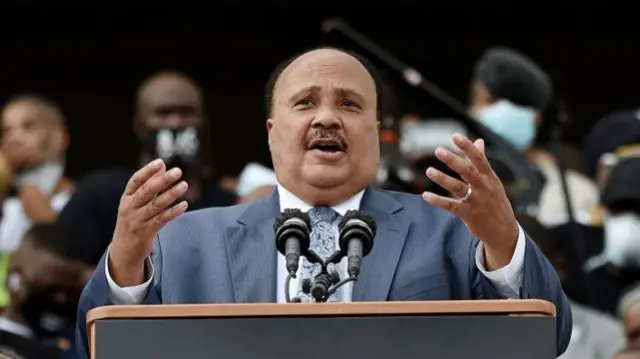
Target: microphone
point(357, 231)
point(292, 229)
point(292, 236)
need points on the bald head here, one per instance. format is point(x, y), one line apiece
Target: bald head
point(168, 99)
point(168, 87)
point(326, 55)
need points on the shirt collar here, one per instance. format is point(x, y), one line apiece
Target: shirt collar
point(289, 200)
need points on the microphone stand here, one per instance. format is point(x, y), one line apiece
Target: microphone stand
point(507, 154)
point(324, 275)
point(576, 237)
point(335, 258)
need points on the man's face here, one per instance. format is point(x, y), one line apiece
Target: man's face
point(29, 129)
point(480, 97)
point(169, 103)
point(323, 133)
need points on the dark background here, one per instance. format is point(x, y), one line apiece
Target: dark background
point(91, 58)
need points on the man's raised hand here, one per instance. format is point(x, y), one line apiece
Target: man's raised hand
point(145, 207)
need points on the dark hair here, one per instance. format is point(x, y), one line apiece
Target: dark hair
point(54, 238)
point(512, 76)
point(371, 69)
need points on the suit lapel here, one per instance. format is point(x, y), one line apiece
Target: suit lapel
point(252, 252)
point(379, 267)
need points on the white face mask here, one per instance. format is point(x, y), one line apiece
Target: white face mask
point(622, 239)
point(514, 123)
point(46, 177)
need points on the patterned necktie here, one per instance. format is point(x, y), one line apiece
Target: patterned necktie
point(323, 243)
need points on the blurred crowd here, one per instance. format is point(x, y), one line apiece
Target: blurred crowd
point(584, 213)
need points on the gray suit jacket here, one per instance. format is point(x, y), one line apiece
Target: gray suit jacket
point(228, 255)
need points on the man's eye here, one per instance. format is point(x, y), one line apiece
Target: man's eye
point(349, 103)
point(305, 102)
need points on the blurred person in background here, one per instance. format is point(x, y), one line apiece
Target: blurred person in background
point(510, 95)
point(170, 123)
point(32, 164)
point(255, 182)
point(612, 156)
point(628, 353)
point(46, 276)
point(418, 140)
point(595, 335)
point(629, 313)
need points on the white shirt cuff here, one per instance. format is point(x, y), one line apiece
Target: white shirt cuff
point(508, 279)
point(128, 295)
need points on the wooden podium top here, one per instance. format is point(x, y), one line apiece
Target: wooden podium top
point(509, 306)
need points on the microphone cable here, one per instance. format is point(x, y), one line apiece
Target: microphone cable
point(287, 284)
point(340, 284)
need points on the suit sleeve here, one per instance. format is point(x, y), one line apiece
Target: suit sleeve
point(97, 293)
point(539, 281)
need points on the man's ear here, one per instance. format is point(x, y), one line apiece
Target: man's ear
point(269, 127)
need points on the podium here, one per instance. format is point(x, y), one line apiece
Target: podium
point(478, 329)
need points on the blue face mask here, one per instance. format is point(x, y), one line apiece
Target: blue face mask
point(514, 123)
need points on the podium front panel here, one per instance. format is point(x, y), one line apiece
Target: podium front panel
point(369, 337)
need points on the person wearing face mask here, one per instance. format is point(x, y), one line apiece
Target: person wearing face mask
point(612, 158)
point(32, 182)
point(171, 124)
point(620, 259)
point(510, 95)
point(46, 275)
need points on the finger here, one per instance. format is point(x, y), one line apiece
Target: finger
point(451, 205)
point(479, 143)
point(461, 165)
point(142, 176)
point(157, 184)
point(454, 186)
point(157, 222)
point(166, 199)
point(475, 154)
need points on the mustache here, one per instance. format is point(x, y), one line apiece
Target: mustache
point(327, 135)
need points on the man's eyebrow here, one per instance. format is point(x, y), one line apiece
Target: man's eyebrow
point(306, 90)
point(343, 91)
point(347, 92)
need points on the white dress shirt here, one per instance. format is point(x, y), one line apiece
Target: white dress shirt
point(507, 280)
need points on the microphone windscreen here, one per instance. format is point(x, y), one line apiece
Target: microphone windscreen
point(292, 223)
point(358, 215)
point(291, 213)
point(357, 224)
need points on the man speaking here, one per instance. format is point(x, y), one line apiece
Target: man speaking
point(323, 137)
